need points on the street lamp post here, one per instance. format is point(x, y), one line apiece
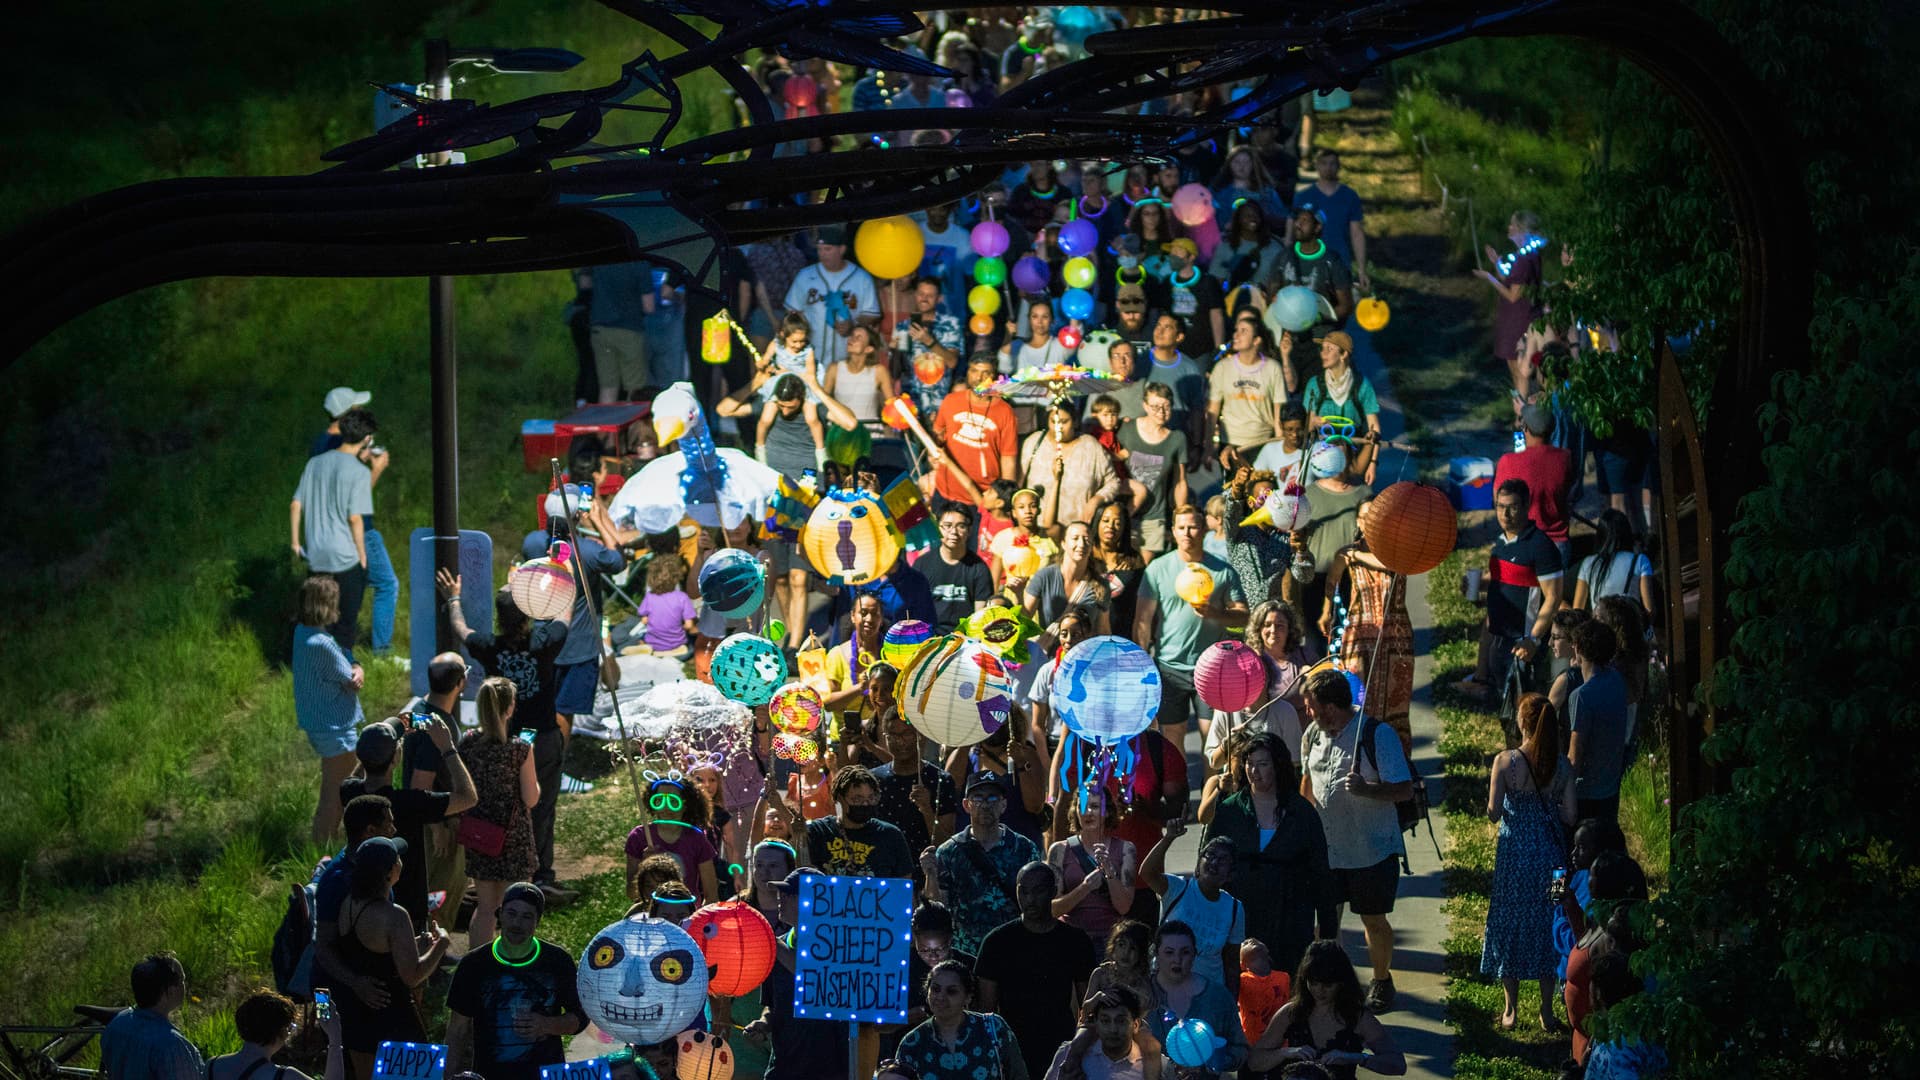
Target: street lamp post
point(441, 344)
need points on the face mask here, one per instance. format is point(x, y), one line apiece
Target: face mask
point(860, 815)
point(1129, 262)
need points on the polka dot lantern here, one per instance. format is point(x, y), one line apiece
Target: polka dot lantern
point(748, 668)
point(702, 1055)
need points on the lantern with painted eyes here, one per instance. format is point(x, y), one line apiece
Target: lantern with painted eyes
point(956, 691)
point(642, 980)
point(702, 1056)
point(850, 539)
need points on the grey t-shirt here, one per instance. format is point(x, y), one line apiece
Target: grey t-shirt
point(333, 487)
point(1597, 712)
point(1360, 831)
point(790, 445)
point(1152, 464)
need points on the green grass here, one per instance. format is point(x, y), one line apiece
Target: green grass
point(156, 790)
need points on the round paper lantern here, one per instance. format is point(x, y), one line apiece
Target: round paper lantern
point(1078, 272)
point(1294, 308)
point(981, 325)
point(989, 238)
point(1094, 348)
point(991, 270)
point(890, 247)
point(1030, 275)
point(1077, 304)
point(1230, 676)
point(930, 369)
point(1371, 314)
point(1194, 585)
point(1106, 690)
point(847, 447)
point(798, 749)
point(732, 583)
point(1191, 1042)
point(1327, 459)
point(955, 692)
point(849, 539)
point(738, 944)
point(641, 980)
point(800, 91)
point(702, 1056)
point(747, 668)
point(1409, 527)
point(1073, 25)
point(902, 640)
point(1193, 204)
point(542, 589)
point(1079, 237)
point(983, 300)
point(958, 98)
point(1069, 337)
point(795, 709)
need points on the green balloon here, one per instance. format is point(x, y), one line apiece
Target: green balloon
point(990, 271)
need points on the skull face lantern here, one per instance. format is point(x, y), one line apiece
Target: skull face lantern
point(642, 980)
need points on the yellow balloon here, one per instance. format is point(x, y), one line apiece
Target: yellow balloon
point(1078, 272)
point(890, 247)
point(983, 300)
point(1371, 314)
point(1194, 585)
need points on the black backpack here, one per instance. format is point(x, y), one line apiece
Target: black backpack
point(1411, 810)
point(293, 942)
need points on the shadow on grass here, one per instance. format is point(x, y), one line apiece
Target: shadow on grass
point(266, 594)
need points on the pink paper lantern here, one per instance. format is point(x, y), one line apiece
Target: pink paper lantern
point(1230, 676)
point(542, 589)
point(1192, 204)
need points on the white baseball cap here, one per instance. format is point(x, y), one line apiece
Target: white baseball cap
point(342, 398)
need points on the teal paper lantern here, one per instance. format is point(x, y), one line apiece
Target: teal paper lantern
point(732, 583)
point(748, 668)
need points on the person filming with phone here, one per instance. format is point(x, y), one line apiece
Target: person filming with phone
point(413, 809)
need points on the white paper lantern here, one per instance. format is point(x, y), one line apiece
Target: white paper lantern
point(542, 588)
point(642, 980)
point(702, 1056)
point(956, 691)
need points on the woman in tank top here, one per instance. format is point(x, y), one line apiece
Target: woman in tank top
point(860, 382)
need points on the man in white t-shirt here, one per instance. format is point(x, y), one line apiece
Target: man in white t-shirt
point(1201, 900)
point(834, 295)
point(1355, 791)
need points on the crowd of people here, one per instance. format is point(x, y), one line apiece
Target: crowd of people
point(1053, 935)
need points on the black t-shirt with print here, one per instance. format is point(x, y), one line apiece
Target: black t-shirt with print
point(1190, 299)
point(877, 850)
point(530, 668)
point(489, 992)
point(896, 802)
point(955, 586)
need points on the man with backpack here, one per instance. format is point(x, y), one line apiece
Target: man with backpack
point(1354, 772)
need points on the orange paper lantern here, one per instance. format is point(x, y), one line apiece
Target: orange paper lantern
point(1409, 527)
point(738, 944)
point(981, 324)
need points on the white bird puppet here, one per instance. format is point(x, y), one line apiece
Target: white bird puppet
point(717, 488)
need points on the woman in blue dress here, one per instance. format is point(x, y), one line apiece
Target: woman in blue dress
point(956, 1043)
point(1530, 794)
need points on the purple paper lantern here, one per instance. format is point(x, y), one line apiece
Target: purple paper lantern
point(989, 238)
point(958, 98)
point(1079, 237)
point(1030, 275)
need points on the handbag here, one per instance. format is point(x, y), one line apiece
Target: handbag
point(480, 836)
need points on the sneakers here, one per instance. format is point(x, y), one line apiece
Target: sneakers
point(1380, 995)
point(570, 785)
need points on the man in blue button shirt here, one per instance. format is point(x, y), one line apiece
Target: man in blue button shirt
point(142, 1043)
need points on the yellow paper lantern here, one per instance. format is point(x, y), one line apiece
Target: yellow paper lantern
point(1194, 585)
point(716, 340)
point(850, 540)
point(703, 1055)
point(890, 247)
point(1371, 314)
point(983, 300)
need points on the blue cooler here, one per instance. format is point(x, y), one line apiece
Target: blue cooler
point(1470, 483)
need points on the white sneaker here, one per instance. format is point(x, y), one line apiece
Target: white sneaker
point(570, 785)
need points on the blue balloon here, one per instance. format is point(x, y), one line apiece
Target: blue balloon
point(1191, 1043)
point(748, 668)
point(1077, 304)
point(732, 583)
point(1073, 25)
point(1106, 690)
point(1079, 237)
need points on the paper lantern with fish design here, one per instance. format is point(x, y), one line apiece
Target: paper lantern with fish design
point(955, 691)
point(850, 539)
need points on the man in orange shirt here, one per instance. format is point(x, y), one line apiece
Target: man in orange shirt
point(979, 433)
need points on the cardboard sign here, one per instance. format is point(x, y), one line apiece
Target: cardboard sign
point(410, 1061)
point(852, 948)
point(599, 1068)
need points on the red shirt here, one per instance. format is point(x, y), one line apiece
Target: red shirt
point(1548, 471)
point(978, 432)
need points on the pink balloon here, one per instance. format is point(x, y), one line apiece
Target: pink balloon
point(1193, 204)
point(989, 239)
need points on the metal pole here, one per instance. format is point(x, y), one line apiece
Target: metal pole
point(443, 387)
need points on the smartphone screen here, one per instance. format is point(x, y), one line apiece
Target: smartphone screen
point(422, 720)
point(323, 1003)
point(526, 736)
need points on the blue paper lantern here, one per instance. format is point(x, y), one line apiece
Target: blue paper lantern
point(1077, 304)
point(732, 583)
point(748, 668)
point(1079, 237)
point(1106, 690)
point(1190, 1043)
point(1294, 308)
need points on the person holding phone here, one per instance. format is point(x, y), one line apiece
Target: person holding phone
point(499, 844)
point(413, 809)
point(266, 1022)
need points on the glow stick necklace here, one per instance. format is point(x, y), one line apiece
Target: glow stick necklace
point(535, 955)
point(1505, 265)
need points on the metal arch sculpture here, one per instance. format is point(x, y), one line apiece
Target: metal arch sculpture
point(557, 199)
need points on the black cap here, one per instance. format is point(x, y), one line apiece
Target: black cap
point(528, 892)
point(988, 778)
point(378, 742)
point(791, 883)
point(380, 851)
point(832, 234)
